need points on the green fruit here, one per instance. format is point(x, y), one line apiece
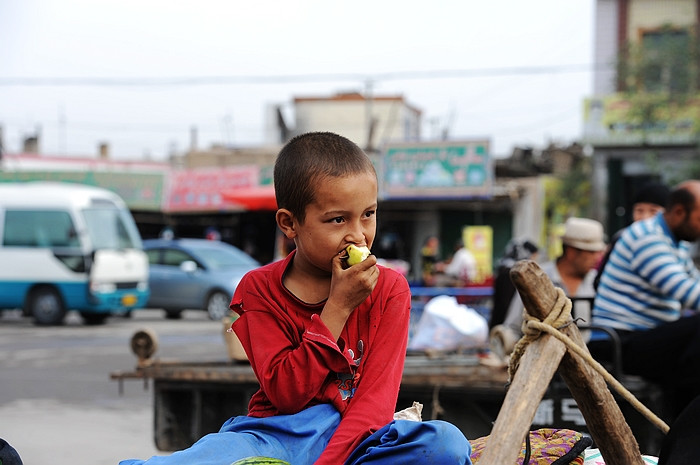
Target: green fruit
point(259, 461)
point(356, 254)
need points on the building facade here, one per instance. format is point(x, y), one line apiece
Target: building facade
point(643, 120)
point(371, 121)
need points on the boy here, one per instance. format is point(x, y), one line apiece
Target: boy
point(650, 200)
point(327, 341)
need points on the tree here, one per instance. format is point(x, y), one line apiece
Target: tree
point(658, 76)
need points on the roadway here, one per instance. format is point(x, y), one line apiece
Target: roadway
point(57, 401)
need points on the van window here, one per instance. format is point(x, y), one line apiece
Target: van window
point(39, 228)
point(109, 230)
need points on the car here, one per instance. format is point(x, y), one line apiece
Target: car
point(194, 274)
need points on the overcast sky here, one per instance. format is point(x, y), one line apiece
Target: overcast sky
point(513, 71)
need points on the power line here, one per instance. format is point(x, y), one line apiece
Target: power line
point(297, 78)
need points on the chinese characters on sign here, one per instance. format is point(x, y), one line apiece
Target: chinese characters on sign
point(568, 413)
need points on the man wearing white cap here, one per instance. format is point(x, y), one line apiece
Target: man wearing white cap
point(574, 271)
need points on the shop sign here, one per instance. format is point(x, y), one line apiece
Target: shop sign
point(202, 189)
point(140, 191)
point(479, 241)
point(458, 169)
point(646, 118)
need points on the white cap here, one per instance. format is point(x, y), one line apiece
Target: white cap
point(584, 234)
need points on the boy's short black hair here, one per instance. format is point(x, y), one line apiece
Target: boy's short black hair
point(310, 157)
point(654, 193)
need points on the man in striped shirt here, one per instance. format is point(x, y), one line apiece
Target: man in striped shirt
point(647, 283)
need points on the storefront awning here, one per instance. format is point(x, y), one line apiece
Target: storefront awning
point(252, 198)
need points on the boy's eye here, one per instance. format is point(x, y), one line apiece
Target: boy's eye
point(369, 213)
point(337, 219)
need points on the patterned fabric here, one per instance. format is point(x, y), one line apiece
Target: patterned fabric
point(547, 447)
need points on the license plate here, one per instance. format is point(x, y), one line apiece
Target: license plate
point(129, 300)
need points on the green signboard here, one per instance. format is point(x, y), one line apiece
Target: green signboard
point(266, 175)
point(140, 191)
point(645, 118)
point(459, 169)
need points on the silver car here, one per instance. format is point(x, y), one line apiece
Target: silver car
point(194, 274)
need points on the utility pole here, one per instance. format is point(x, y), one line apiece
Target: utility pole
point(369, 119)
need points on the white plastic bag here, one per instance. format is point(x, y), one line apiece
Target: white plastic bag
point(447, 325)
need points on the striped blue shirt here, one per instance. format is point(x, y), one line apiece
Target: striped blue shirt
point(649, 278)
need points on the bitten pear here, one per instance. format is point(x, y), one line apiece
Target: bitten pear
point(356, 254)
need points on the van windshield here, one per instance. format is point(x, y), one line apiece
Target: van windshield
point(111, 228)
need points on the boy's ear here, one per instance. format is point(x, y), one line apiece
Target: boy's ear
point(285, 221)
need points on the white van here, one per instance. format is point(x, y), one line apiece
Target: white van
point(69, 247)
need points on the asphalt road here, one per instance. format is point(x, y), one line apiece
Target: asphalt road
point(58, 404)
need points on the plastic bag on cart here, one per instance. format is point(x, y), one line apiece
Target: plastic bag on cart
point(446, 325)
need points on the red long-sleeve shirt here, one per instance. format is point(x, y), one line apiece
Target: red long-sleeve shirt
point(299, 364)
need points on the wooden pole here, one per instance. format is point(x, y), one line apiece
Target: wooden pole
point(537, 366)
point(605, 422)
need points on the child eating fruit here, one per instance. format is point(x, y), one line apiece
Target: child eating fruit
point(325, 331)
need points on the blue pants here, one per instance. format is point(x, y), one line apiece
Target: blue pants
point(301, 438)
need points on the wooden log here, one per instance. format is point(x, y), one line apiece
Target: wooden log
point(604, 419)
point(537, 366)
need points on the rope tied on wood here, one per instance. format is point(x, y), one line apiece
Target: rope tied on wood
point(559, 317)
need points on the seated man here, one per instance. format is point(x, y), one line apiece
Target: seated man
point(645, 286)
point(573, 271)
point(461, 269)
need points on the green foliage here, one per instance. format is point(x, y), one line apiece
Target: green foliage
point(664, 62)
point(659, 77)
point(570, 194)
point(679, 172)
point(691, 170)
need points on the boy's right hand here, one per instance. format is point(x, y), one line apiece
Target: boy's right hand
point(349, 288)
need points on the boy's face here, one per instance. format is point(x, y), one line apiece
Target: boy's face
point(344, 213)
point(644, 210)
